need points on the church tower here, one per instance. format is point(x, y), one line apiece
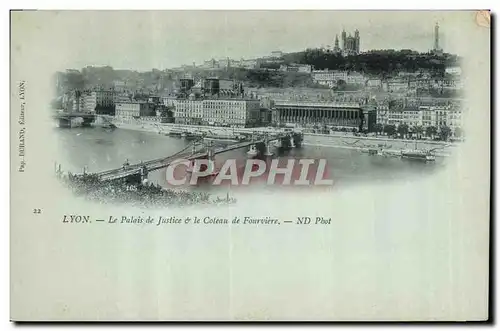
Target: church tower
point(356, 41)
point(344, 39)
point(336, 48)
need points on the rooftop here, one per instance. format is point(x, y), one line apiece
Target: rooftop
point(317, 104)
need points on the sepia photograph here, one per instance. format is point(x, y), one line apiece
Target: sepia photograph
point(250, 165)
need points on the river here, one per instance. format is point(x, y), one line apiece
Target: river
point(100, 149)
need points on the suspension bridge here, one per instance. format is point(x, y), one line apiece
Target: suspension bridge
point(196, 150)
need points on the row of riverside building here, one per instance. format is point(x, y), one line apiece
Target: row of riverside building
point(227, 111)
point(402, 82)
point(365, 116)
point(203, 104)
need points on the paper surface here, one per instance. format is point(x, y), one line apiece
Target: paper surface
point(391, 239)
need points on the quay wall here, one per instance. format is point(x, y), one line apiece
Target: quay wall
point(341, 140)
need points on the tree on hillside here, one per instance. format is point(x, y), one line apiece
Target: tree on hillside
point(418, 131)
point(430, 131)
point(378, 128)
point(374, 62)
point(403, 129)
point(444, 132)
point(390, 129)
point(73, 80)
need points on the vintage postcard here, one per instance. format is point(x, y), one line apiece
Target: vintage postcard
point(250, 165)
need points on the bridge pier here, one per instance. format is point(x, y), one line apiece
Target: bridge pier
point(297, 139)
point(285, 142)
point(267, 148)
point(210, 157)
point(211, 160)
point(252, 151)
point(144, 174)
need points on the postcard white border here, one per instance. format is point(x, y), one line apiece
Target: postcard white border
point(186, 4)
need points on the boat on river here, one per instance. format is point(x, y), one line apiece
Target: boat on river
point(189, 135)
point(418, 154)
point(222, 135)
point(174, 133)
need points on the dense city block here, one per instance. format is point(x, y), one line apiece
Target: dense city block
point(403, 93)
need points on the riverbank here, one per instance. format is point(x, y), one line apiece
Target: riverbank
point(335, 140)
point(361, 143)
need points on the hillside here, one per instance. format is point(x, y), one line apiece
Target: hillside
point(383, 63)
point(167, 80)
point(378, 62)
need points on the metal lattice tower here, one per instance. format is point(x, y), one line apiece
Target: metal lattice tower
point(436, 37)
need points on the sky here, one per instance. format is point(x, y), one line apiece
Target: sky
point(142, 40)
